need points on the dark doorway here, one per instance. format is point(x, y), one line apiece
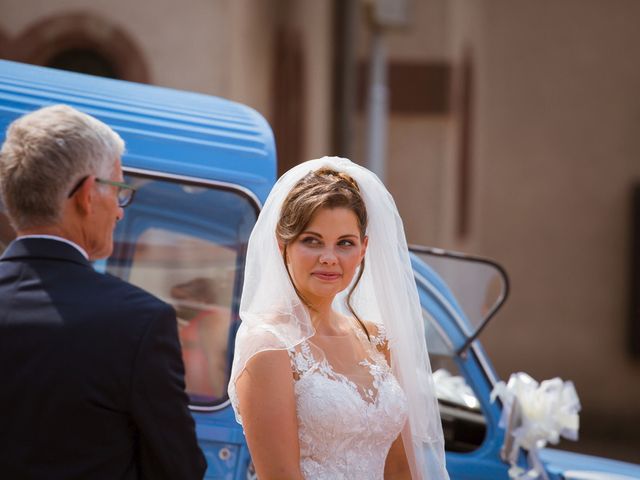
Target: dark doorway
point(83, 60)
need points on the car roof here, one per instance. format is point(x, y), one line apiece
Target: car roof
point(171, 131)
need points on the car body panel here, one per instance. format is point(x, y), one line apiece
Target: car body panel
point(559, 461)
point(165, 130)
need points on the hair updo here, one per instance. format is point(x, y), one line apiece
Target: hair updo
point(322, 188)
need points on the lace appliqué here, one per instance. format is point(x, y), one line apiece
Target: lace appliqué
point(380, 339)
point(345, 432)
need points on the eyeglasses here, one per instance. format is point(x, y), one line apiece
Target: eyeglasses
point(125, 192)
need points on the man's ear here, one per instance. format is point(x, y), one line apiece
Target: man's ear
point(85, 196)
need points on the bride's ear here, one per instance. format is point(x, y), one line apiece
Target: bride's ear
point(365, 244)
point(283, 251)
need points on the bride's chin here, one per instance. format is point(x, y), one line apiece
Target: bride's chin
point(325, 293)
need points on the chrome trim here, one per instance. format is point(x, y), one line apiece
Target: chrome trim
point(201, 181)
point(212, 408)
point(486, 366)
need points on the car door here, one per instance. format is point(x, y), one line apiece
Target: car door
point(459, 294)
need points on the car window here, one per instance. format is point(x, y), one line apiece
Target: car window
point(474, 287)
point(198, 282)
point(185, 243)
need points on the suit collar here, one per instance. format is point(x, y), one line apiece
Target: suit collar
point(44, 248)
point(55, 237)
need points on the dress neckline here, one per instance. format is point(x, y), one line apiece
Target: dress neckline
point(351, 326)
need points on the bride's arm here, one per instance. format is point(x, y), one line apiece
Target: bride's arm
point(396, 466)
point(268, 408)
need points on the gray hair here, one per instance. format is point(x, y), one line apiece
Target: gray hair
point(46, 153)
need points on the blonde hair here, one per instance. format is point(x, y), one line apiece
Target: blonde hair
point(46, 152)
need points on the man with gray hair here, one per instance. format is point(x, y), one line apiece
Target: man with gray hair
point(91, 371)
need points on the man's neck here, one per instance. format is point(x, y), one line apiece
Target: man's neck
point(48, 230)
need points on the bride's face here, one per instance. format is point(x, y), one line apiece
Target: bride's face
point(323, 259)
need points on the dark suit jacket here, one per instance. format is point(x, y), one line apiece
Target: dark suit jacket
point(91, 375)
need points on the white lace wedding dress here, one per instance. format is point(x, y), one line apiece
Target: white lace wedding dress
point(350, 407)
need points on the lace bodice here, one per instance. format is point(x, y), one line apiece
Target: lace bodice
point(346, 421)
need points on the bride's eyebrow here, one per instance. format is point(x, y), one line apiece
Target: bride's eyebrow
point(316, 234)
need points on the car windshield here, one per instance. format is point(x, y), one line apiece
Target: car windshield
point(470, 289)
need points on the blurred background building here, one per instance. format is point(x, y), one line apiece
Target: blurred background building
point(513, 131)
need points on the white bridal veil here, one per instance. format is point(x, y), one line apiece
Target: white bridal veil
point(273, 317)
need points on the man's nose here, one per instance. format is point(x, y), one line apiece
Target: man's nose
point(120, 214)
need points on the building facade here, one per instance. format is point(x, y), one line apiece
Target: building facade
point(512, 132)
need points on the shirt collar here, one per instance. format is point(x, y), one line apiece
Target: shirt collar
point(60, 239)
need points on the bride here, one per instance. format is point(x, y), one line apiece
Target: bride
point(331, 377)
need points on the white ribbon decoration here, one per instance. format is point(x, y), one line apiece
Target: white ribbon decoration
point(548, 411)
point(454, 388)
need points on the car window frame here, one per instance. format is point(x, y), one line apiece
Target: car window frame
point(199, 182)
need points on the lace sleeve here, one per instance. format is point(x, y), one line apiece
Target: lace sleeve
point(301, 359)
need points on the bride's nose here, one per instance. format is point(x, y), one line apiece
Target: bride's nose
point(327, 257)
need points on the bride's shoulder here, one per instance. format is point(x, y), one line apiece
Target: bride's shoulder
point(270, 364)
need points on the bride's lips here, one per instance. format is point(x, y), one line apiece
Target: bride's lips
point(326, 276)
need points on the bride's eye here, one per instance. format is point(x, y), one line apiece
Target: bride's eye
point(346, 243)
point(311, 241)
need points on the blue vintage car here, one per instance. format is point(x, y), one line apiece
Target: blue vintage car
point(203, 166)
